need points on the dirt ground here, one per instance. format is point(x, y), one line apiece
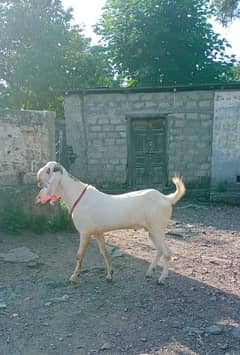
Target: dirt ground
point(196, 312)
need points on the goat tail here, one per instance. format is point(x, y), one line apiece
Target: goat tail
point(180, 190)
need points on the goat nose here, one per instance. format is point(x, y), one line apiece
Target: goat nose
point(37, 199)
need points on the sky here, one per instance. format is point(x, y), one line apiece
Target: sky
point(87, 12)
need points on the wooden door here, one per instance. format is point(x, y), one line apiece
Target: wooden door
point(147, 153)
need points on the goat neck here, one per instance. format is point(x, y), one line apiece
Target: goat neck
point(69, 189)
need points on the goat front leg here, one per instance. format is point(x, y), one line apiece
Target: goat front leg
point(84, 241)
point(106, 256)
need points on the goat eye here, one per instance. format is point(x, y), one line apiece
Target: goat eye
point(48, 171)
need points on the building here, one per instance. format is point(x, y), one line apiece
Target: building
point(134, 138)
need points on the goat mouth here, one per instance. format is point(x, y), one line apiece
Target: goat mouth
point(37, 200)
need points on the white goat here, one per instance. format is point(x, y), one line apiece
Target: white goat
point(97, 213)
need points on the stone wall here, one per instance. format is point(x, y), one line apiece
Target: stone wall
point(26, 143)
point(226, 139)
point(96, 125)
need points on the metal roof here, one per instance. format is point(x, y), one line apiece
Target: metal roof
point(164, 88)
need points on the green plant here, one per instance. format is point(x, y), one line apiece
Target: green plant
point(15, 219)
point(221, 186)
point(61, 220)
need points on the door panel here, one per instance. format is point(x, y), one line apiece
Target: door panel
point(148, 153)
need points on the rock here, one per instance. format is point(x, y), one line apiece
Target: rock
point(19, 255)
point(213, 298)
point(178, 232)
point(34, 265)
point(224, 346)
point(14, 315)
point(64, 298)
point(114, 251)
point(193, 330)
point(106, 346)
point(214, 330)
point(236, 332)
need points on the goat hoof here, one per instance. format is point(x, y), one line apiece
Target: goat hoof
point(149, 274)
point(73, 279)
point(109, 278)
point(161, 282)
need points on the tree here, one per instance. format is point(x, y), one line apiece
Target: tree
point(236, 72)
point(163, 41)
point(226, 10)
point(42, 54)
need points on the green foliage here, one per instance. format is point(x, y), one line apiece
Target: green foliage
point(153, 42)
point(42, 55)
point(61, 220)
point(15, 220)
point(226, 10)
point(236, 72)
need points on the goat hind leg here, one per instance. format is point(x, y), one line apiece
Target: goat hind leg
point(84, 241)
point(166, 260)
point(157, 257)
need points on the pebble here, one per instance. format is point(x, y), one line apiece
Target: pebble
point(214, 329)
point(64, 298)
point(33, 265)
point(213, 298)
point(14, 315)
point(224, 346)
point(193, 330)
point(3, 305)
point(114, 251)
point(106, 346)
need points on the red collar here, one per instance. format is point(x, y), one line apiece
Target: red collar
point(77, 200)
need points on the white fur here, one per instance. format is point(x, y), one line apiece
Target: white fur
point(97, 213)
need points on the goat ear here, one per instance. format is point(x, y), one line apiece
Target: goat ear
point(53, 183)
point(58, 167)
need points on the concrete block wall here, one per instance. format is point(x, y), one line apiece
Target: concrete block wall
point(96, 126)
point(226, 139)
